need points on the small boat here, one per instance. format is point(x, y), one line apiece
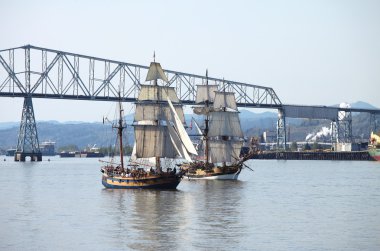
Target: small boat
point(91, 152)
point(65, 154)
point(11, 152)
point(374, 146)
point(221, 137)
point(159, 136)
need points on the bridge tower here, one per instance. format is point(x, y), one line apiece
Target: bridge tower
point(341, 128)
point(281, 130)
point(27, 144)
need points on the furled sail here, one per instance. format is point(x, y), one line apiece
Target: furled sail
point(202, 110)
point(224, 151)
point(205, 92)
point(155, 72)
point(225, 100)
point(225, 124)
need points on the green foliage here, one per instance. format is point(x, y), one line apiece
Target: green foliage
point(315, 146)
point(293, 146)
point(307, 147)
point(127, 150)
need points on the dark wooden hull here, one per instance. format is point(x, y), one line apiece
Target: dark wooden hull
point(164, 181)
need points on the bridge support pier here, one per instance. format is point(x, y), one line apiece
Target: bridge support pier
point(341, 130)
point(27, 144)
point(281, 131)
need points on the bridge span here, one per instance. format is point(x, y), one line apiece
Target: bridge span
point(34, 72)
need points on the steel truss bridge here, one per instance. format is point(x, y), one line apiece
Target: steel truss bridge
point(34, 72)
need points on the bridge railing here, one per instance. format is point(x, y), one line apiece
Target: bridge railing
point(40, 72)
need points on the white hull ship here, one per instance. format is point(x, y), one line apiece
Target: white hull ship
point(221, 137)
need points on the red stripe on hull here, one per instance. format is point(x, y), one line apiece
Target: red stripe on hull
point(377, 157)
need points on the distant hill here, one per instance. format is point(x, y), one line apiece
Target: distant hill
point(363, 105)
point(360, 105)
point(253, 124)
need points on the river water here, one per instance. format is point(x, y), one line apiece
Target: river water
point(282, 205)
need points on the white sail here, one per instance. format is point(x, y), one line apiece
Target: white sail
point(205, 92)
point(181, 130)
point(157, 93)
point(153, 112)
point(144, 161)
point(225, 124)
point(197, 127)
point(224, 151)
point(133, 154)
point(155, 72)
point(225, 100)
point(153, 141)
point(177, 143)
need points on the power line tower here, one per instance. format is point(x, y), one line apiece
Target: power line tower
point(27, 144)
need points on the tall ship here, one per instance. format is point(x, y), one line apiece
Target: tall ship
point(374, 146)
point(160, 137)
point(221, 138)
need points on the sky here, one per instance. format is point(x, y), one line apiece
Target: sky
point(309, 52)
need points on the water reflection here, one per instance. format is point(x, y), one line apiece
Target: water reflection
point(146, 219)
point(62, 205)
point(202, 214)
point(218, 223)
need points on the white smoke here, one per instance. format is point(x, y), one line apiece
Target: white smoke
point(325, 131)
point(344, 105)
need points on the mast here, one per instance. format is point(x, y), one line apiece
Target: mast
point(155, 83)
point(224, 110)
point(206, 121)
point(120, 133)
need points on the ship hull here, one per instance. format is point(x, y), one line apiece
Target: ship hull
point(230, 176)
point(375, 154)
point(218, 173)
point(153, 182)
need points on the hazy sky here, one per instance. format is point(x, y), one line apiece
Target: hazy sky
point(309, 52)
